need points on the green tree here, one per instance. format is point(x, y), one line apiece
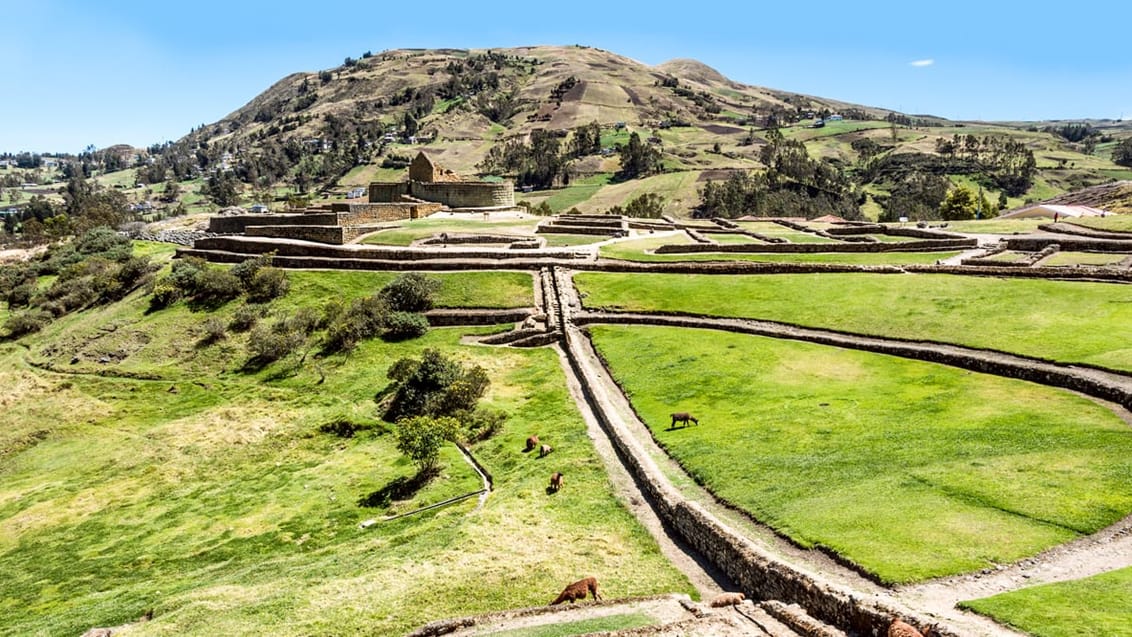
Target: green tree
point(434, 386)
point(1122, 154)
point(421, 437)
point(411, 292)
point(638, 158)
point(960, 203)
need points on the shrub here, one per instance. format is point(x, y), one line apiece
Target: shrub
point(482, 423)
point(165, 293)
point(434, 386)
point(246, 316)
point(412, 292)
point(21, 295)
point(405, 325)
point(420, 438)
point(185, 274)
point(214, 330)
point(246, 270)
point(266, 284)
point(26, 322)
point(215, 287)
point(268, 344)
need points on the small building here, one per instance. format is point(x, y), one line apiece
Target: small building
point(834, 118)
point(258, 209)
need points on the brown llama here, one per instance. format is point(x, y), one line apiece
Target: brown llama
point(578, 590)
point(556, 480)
point(900, 628)
point(532, 442)
point(727, 599)
point(683, 417)
point(544, 451)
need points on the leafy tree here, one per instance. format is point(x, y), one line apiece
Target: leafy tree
point(222, 189)
point(638, 158)
point(647, 206)
point(1122, 154)
point(420, 438)
point(411, 292)
point(917, 195)
point(960, 203)
point(434, 386)
point(586, 140)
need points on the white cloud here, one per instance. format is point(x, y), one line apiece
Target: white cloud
point(927, 62)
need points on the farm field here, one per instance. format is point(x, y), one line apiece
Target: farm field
point(176, 479)
point(908, 469)
point(1113, 223)
point(1057, 610)
point(1058, 320)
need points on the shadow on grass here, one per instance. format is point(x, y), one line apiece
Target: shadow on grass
point(401, 488)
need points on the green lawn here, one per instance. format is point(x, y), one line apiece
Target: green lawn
point(1114, 223)
point(555, 240)
point(908, 469)
point(208, 493)
point(995, 226)
point(407, 232)
point(1056, 610)
point(1084, 258)
point(639, 250)
point(1060, 320)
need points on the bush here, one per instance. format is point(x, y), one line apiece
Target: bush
point(246, 316)
point(26, 322)
point(267, 284)
point(268, 344)
point(434, 386)
point(405, 325)
point(420, 438)
point(215, 287)
point(412, 292)
point(21, 295)
point(482, 423)
point(214, 330)
point(165, 293)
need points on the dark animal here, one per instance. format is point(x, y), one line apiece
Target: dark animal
point(900, 628)
point(532, 442)
point(684, 417)
point(544, 450)
point(556, 480)
point(727, 599)
point(578, 590)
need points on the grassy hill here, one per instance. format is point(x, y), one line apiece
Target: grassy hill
point(143, 467)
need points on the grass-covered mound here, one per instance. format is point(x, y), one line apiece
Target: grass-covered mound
point(908, 469)
point(1069, 321)
point(159, 471)
point(1055, 610)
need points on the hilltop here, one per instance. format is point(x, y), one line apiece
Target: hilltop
point(322, 133)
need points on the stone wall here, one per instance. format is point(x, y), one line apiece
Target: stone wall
point(387, 192)
point(1068, 244)
point(335, 235)
point(934, 245)
point(238, 223)
point(754, 572)
point(466, 194)
point(361, 213)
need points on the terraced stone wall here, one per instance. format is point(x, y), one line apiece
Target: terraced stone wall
point(466, 194)
point(905, 246)
point(239, 223)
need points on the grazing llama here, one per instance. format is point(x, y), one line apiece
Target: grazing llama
point(578, 590)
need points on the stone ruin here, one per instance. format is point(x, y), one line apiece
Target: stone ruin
point(432, 183)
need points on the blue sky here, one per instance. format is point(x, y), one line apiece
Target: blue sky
point(121, 71)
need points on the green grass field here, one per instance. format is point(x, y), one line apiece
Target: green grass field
point(580, 627)
point(1060, 320)
point(1114, 223)
point(171, 478)
point(1084, 258)
point(403, 234)
point(1056, 610)
point(640, 250)
point(909, 469)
